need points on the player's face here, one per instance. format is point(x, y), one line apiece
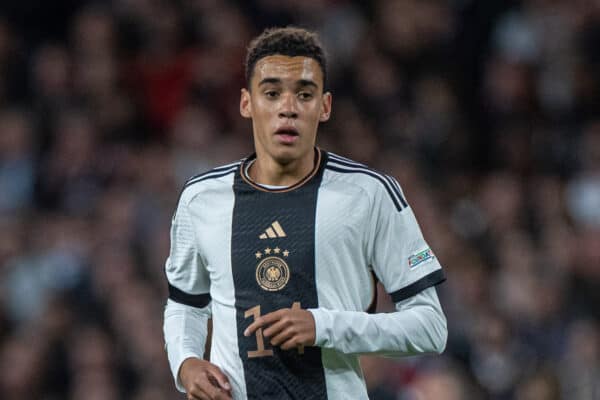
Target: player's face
point(286, 103)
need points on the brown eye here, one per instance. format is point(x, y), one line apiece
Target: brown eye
point(305, 96)
point(271, 94)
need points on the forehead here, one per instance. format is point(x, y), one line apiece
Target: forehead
point(287, 68)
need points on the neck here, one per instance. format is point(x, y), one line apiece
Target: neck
point(268, 171)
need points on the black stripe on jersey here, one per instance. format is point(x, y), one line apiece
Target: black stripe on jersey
point(340, 158)
point(212, 174)
point(194, 300)
point(391, 182)
point(432, 279)
point(280, 375)
point(397, 186)
point(346, 170)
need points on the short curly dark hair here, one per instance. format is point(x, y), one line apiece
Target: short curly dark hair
point(289, 41)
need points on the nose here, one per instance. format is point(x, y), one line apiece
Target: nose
point(288, 107)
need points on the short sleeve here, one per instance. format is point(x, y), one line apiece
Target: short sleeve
point(187, 277)
point(399, 255)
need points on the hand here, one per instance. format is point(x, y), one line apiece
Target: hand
point(287, 327)
point(204, 381)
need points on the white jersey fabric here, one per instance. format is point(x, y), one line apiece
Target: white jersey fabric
point(239, 250)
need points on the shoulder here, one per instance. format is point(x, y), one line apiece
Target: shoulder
point(375, 183)
point(219, 177)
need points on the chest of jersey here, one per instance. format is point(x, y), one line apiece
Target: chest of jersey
point(272, 248)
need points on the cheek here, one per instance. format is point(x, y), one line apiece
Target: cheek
point(259, 113)
point(264, 109)
point(315, 114)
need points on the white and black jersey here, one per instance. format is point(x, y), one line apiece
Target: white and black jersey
point(240, 250)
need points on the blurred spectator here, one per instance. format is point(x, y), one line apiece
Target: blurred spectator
point(194, 129)
point(446, 383)
point(583, 192)
point(377, 376)
point(17, 161)
point(543, 385)
point(580, 367)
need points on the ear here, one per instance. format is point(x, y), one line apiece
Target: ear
point(245, 104)
point(326, 107)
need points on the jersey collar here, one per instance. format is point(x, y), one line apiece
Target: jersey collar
point(316, 168)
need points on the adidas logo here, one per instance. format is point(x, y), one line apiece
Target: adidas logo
point(274, 231)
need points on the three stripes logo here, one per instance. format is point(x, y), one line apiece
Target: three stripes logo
point(273, 231)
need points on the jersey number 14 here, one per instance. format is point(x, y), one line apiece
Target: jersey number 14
point(260, 340)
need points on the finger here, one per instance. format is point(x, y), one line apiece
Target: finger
point(216, 393)
point(219, 379)
point(218, 387)
point(282, 337)
point(223, 395)
point(266, 319)
point(292, 343)
point(205, 387)
point(212, 391)
point(275, 328)
point(197, 394)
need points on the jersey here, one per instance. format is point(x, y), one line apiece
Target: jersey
point(243, 250)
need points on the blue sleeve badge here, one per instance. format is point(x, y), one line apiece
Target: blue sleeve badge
point(420, 258)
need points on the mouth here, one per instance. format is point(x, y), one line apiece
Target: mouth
point(287, 134)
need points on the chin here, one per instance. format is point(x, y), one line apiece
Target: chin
point(286, 157)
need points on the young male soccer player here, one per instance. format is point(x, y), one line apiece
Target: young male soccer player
point(281, 249)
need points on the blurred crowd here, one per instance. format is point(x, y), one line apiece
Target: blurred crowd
point(488, 113)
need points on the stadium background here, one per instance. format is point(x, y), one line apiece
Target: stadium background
point(486, 111)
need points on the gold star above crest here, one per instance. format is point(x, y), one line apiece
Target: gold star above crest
point(258, 254)
point(277, 250)
point(267, 250)
point(286, 253)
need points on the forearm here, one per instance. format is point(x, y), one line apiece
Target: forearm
point(418, 326)
point(185, 329)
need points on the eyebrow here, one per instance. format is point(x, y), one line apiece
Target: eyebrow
point(301, 82)
point(307, 82)
point(269, 80)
